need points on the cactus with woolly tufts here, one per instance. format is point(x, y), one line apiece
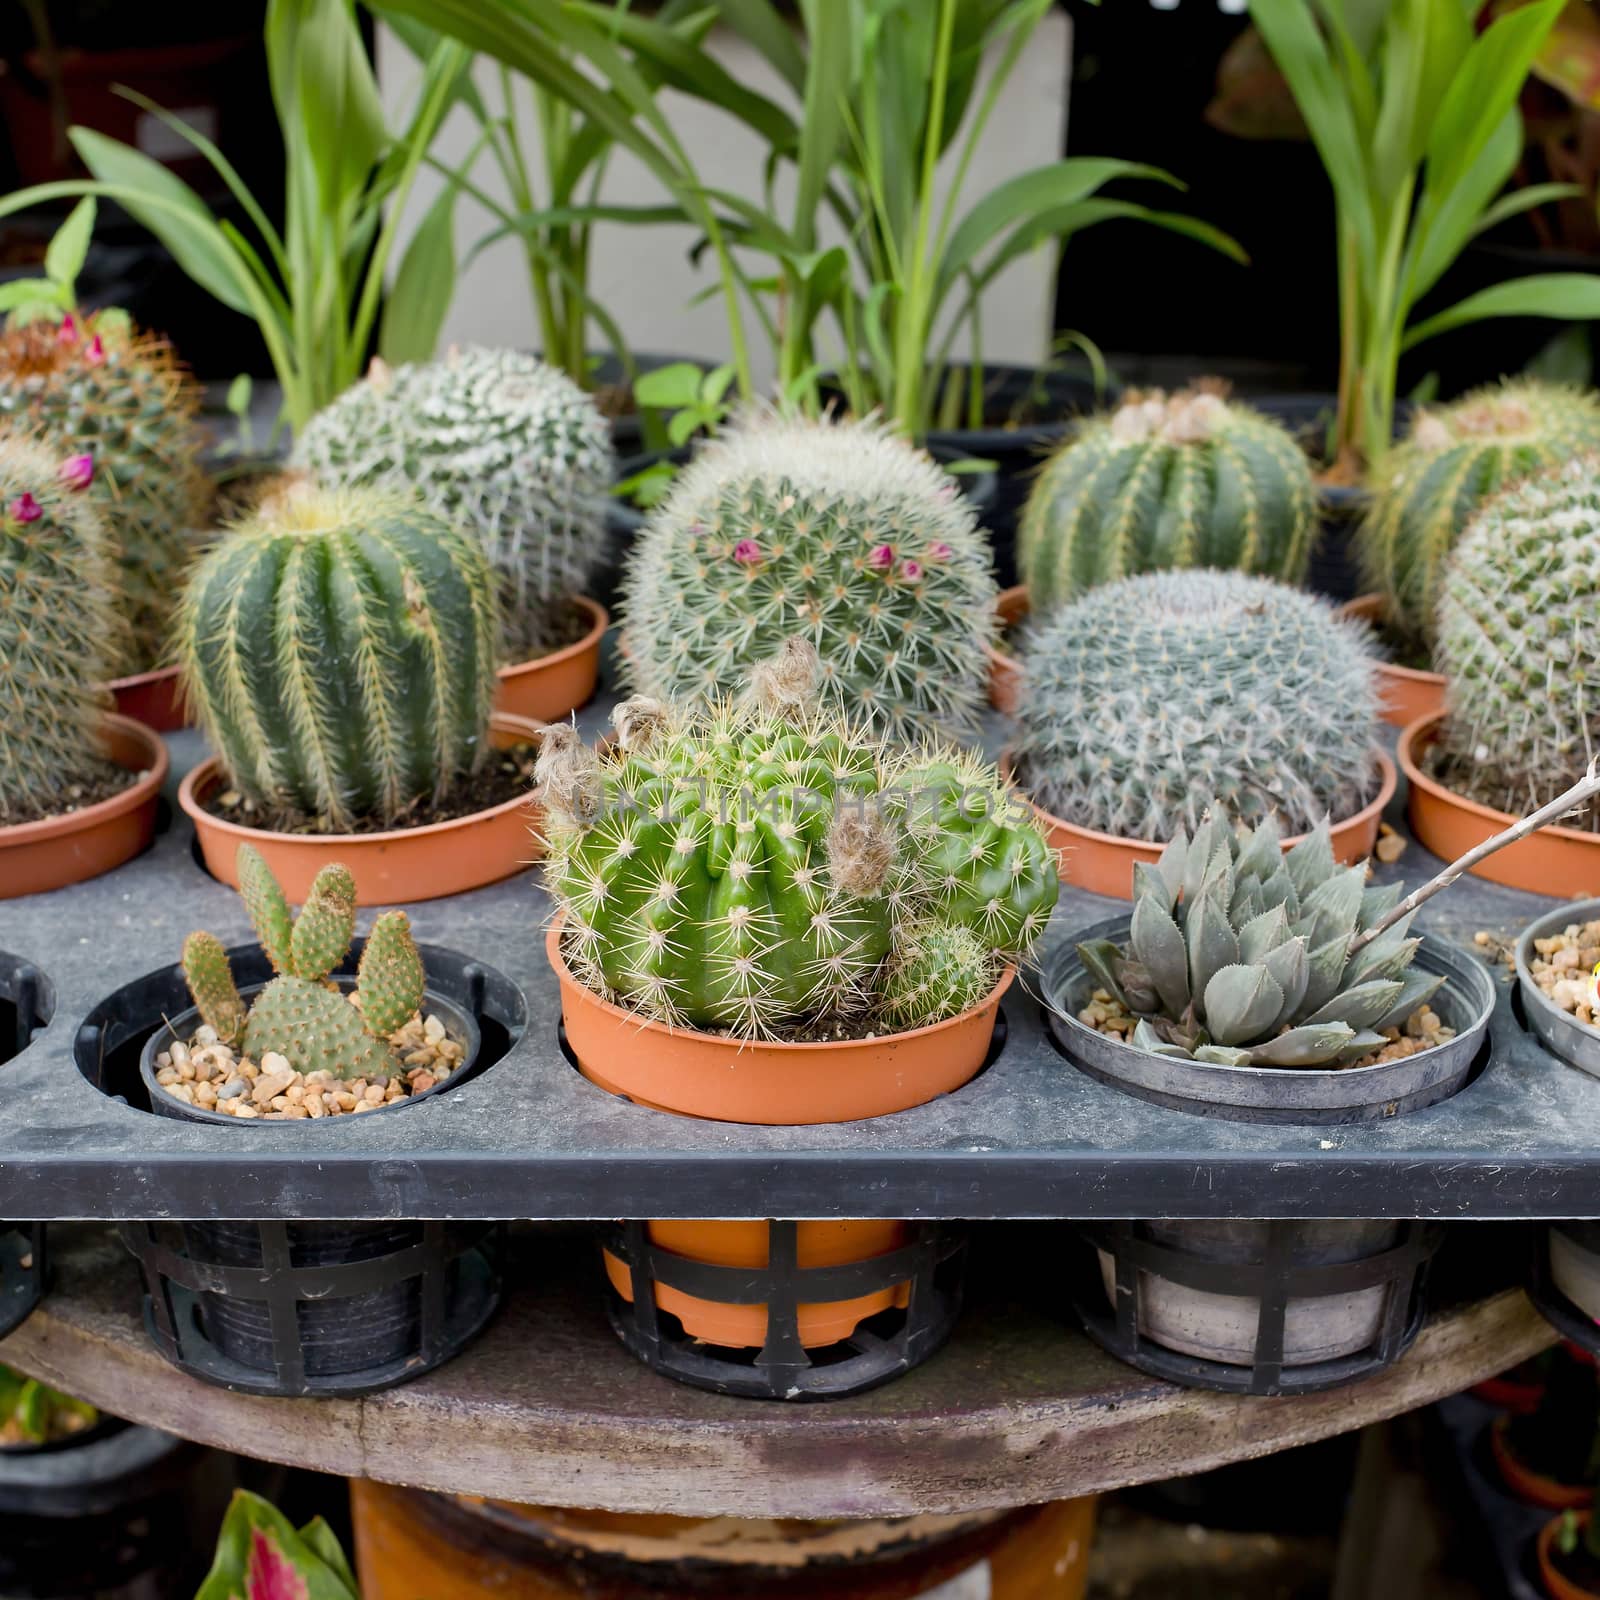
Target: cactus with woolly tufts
point(59, 630)
point(934, 971)
point(1167, 481)
point(339, 647)
point(499, 443)
point(1238, 952)
point(1453, 460)
point(835, 531)
point(1519, 642)
point(1150, 698)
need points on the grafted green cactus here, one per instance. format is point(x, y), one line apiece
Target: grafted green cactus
point(934, 971)
point(339, 648)
point(834, 531)
point(1454, 459)
point(1164, 481)
point(59, 629)
point(498, 443)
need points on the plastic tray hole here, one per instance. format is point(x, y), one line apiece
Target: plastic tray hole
point(27, 1002)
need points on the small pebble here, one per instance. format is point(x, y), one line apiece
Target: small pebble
point(275, 1065)
point(205, 1036)
point(232, 1088)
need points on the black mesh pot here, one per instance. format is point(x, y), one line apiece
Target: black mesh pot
point(931, 1263)
point(23, 1269)
point(315, 1308)
point(1256, 1307)
point(1565, 1281)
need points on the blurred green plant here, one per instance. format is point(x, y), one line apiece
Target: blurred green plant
point(32, 1413)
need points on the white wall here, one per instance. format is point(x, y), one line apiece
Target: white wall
point(644, 276)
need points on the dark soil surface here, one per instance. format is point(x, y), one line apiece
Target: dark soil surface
point(101, 780)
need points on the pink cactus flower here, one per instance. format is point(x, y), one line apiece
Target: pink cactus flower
point(69, 330)
point(882, 557)
point(747, 552)
point(911, 570)
point(76, 472)
point(940, 551)
point(95, 355)
point(26, 509)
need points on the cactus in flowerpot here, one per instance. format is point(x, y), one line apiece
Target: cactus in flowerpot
point(1149, 699)
point(60, 631)
point(836, 531)
point(497, 442)
point(1164, 481)
point(1453, 460)
point(339, 648)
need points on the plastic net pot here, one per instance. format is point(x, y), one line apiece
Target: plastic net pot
point(24, 1266)
point(1565, 1281)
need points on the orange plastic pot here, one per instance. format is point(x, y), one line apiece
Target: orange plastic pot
point(1557, 861)
point(745, 1244)
point(1005, 671)
point(751, 1080)
point(548, 687)
point(153, 698)
point(1556, 1584)
point(394, 868)
point(56, 851)
point(1407, 692)
point(1103, 862)
point(1527, 1484)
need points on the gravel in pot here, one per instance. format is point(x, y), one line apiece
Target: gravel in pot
point(1555, 958)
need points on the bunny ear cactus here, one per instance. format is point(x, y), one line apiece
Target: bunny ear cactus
point(339, 648)
point(1184, 480)
point(1455, 458)
point(499, 444)
point(1239, 954)
point(837, 532)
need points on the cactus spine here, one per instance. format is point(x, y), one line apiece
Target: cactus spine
point(502, 445)
point(59, 630)
point(340, 650)
point(834, 531)
point(1186, 480)
point(1455, 458)
point(1150, 698)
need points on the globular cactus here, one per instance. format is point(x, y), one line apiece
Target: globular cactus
point(1239, 953)
point(498, 443)
point(934, 971)
point(299, 1014)
point(96, 386)
point(1455, 458)
point(1164, 481)
point(1150, 698)
point(59, 628)
point(834, 531)
point(339, 647)
point(1519, 642)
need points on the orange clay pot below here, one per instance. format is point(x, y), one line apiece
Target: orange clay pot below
point(1005, 671)
point(393, 868)
point(1407, 692)
point(56, 851)
point(744, 1244)
point(1559, 861)
point(1103, 862)
point(1556, 1585)
point(1534, 1487)
point(548, 687)
point(153, 698)
point(750, 1080)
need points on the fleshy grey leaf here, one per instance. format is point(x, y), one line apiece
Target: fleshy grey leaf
point(1279, 890)
point(1262, 851)
point(1148, 883)
point(1387, 957)
point(1304, 1047)
point(1377, 900)
point(1157, 944)
point(1170, 866)
point(1211, 940)
point(1147, 1039)
point(1263, 933)
point(1331, 909)
point(1359, 1006)
point(1359, 1046)
point(1290, 966)
point(1221, 1055)
point(1416, 987)
point(1101, 959)
point(1198, 858)
point(1311, 860)
point(1327, 964)
point(1138, 990)
point(1241, 1003)
point(1246, 905)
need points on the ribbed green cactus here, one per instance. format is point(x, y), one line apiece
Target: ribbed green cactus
point(1150, 698)
point(835, 531)
point(498, 443)
point(339, 648)
point(298, 1014)
point(59, 629)
point(1239, 953)
point(1164, 481)
point(934, 971)
point(97, 387)
point(1519, 642)
point(1455, 458)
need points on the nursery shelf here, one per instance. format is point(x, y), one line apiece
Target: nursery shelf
point(530, 1138)
point(546, 1405)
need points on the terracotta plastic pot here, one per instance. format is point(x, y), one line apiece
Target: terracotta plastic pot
point(1005, 671)
point(1506, 1393)
point(1556, 1584)
point(1555, 861)
point(548, 687)
point(1103, 862)
point(394, 868)
point(788, 1085)
point(1527, 1484)
point(1408, 692)
point(153, 698)
point(744, 1244)
point(49, 854)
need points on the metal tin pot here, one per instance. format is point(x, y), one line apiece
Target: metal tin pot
point(1574, 1041)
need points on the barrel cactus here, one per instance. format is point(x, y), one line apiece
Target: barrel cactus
point(1238, 952)
point(1183, 480)
point(1519, 642)
point(98, 387)
point(510, 449)
point(1454, 458)
point(339, 647)
point(1150, 698)
point(59, 627)
point(833, 530)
